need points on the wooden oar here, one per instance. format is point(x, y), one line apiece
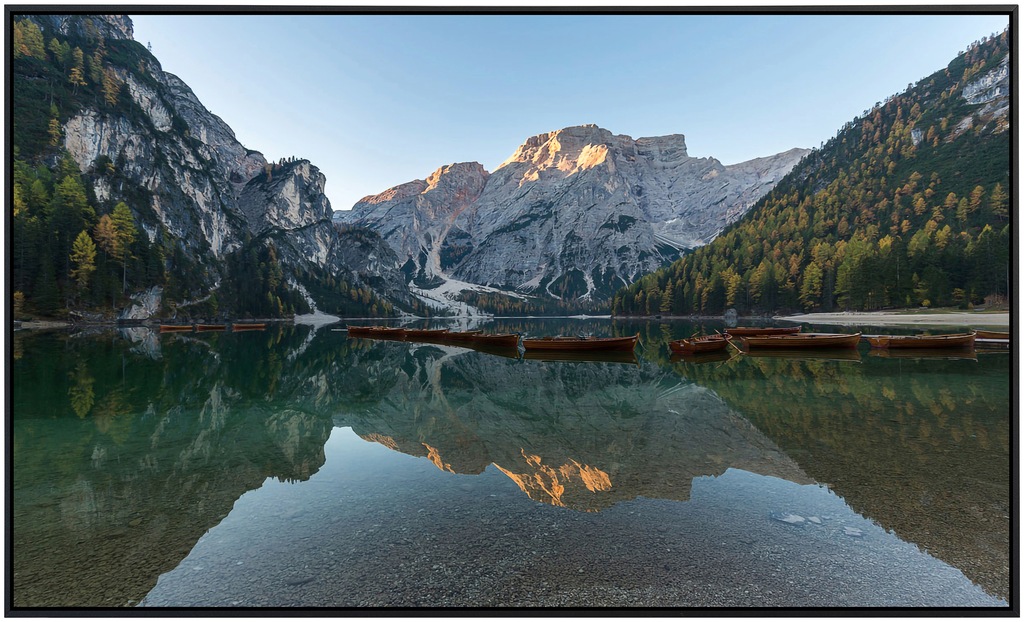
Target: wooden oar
point(730, 342)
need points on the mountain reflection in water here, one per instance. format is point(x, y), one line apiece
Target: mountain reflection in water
point(579, 434)
point(128, 448)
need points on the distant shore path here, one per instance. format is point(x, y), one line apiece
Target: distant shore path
point(882, 318)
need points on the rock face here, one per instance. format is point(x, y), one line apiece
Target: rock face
point(575, 213)
point(417, 218)
point(286, 203)
point(993, 90)
point(187, 178)
point(144, 305)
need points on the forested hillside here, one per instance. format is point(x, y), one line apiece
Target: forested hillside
point(907, 205)
point(67, 248)
point(123, 183)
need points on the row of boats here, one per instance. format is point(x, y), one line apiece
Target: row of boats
point(751, 337)
point(200, 328)
point(474, 338)
point(793, 338)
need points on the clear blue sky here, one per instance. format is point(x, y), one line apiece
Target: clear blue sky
point(379, 100)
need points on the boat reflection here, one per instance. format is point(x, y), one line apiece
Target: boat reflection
point(702, 357)
point(822, 354)
point(950, 354)
point(508, 352)
point(610, 356)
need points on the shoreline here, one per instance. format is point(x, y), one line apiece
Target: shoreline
point(883, 318)
point(843, 318)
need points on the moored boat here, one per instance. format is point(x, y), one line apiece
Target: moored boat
point(387, 332)
point(209, 327)
point(755, 331)
point(704, 343)
point(359, 331)
point(247, 326)
point(466, 335)
point(581, 343)
point(962, 340)
point(376, 332)
point(991, 334)
point(803, 340)
point(419, 333)
point(175, 328)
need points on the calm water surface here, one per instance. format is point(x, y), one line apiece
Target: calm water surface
point(298, 467)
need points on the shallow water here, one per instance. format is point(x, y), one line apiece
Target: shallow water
point(298, 467)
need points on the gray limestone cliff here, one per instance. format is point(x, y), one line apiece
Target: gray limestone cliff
point(575, 213)
point(193, 186)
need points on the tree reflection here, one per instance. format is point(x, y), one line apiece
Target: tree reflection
point(81, 392)
point(172, 441)
point(921, 446)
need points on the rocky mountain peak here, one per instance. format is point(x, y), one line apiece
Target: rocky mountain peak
point(670, 148)
point(106, 26)
point(457, 174)
point(445, 180)
point(567, 150)
point(286, 196)
point(395, 193)
point(573, 213)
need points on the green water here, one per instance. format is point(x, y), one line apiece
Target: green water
point(298, 467)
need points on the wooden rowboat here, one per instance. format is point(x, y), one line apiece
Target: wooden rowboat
point(425, 333)
point(208, 327)
point(991, 334)
point(705, 343)
point(804, 340)
point(248, 326)
point(964, 340)
point(754, 331)
point(385, 332)
point(466, 335)
point(376, 332)
point(175, 328)
point(360, 331)
point(581, 343)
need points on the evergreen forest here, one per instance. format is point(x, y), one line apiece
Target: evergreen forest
point(907, 206)
point(75, 255)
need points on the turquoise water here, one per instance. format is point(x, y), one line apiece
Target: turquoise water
point(298, 467)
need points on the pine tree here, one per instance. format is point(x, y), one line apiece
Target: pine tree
point(77, 75)
point(997, 202)
point(124, 226)
point(54, 131)
point(106, 235)
point(28, 40)
point(60, 51)
point(83, 256)
point(111, 86)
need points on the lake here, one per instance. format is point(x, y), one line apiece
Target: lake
point(299, 467)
